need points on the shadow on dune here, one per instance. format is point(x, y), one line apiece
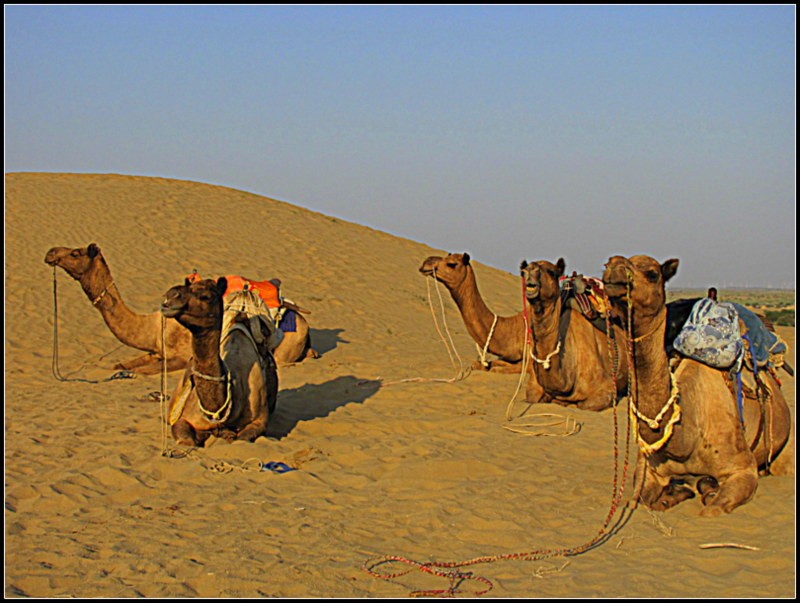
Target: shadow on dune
point(315, 401)
point(325, 340)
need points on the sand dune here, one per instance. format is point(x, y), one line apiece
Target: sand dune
point(422, 470)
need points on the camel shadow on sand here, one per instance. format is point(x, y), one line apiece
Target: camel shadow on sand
point(315, 401)
point(326, 340)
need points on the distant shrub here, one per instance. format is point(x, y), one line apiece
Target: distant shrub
point(784, 318)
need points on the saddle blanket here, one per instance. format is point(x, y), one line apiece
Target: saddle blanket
point(268, 291)
point(288, 322)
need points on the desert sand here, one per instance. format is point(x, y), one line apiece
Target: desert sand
point(391, 455)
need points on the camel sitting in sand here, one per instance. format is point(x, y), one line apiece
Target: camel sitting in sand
point(503, 336)
point(689, 428)
point(230, 388)
point(575, 362)
point(144, 331)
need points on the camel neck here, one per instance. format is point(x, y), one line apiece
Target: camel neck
point(508, 336)
point(136, 330)
point(651, 382)
point(548, 347)
point(476, 313)
point(208, 371)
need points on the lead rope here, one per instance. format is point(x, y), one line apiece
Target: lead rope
point(451, 570)
point(461, 372)
point(570, 425)
point(54, 365)
point(166, 450)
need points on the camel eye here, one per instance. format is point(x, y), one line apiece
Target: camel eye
point(652, 276)
point(451, 265)
point(75, 253)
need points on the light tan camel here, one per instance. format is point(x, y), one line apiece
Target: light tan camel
point(143, 331)
point(503, 336)
point(575, 362)
point(231, 386)
point(689, 429)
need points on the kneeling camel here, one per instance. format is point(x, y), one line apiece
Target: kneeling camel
point(689, 430)
point(575, 362)
point(231, 386)
point(88, 266)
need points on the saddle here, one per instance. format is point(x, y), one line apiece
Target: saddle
point(586, 295)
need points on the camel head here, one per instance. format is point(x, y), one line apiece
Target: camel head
point(450, 271)
point(75, 262)
point(644, 277)
point(541, 279)
point(196, 305)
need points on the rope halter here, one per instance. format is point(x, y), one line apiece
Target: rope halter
point(97, 299)
point(546, 362)
point(225, 409)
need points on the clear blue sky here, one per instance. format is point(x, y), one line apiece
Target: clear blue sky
point(511, 132)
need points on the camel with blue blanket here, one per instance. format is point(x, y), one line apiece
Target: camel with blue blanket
point(693, 439)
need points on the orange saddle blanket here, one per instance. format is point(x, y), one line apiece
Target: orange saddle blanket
point(268, 291)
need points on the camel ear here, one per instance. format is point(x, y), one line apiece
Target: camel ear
point(561, 265)
point(669, 268)
point(523, 264)
point(92, 250)
point(222, 285)
point(465, 258)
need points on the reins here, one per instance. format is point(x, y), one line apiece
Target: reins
point(54, 365)
point(452, 570)
point(461, 371)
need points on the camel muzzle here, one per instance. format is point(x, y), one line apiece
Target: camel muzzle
point(170, 311)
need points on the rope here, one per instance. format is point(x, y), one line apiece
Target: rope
point(451, 570)
point(461, 372)
point(54, 365)
point(546, 362)
point(483, 352)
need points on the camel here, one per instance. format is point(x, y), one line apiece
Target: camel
point(503, 336)
point(230, 388)
point(575, 362)
point(689, 429)
point(88, 266)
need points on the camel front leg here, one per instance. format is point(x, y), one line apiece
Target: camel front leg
point(150, 364)
point(653, 487)
point(734, 490)
point(252, 430)
point(185, 434)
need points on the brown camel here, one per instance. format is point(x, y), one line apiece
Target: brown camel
point(575, 362)
point(689, 430)
point(143, 331)
point(503, 336)
point(231, 386)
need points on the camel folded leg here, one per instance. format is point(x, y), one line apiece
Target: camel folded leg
point(498, 366)
point(252, 430)
point(150, 364)
point(734, 490)
point(186, 435)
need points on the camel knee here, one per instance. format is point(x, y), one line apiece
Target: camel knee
point(728, 494)
point(185, 434)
